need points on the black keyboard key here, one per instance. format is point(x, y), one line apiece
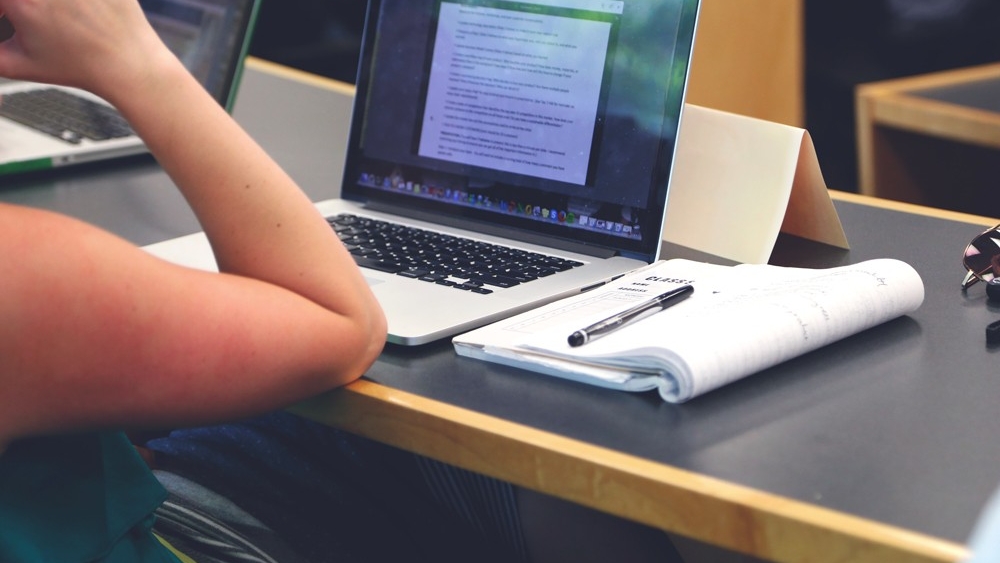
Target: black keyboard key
point(498, 281)
point(378, 265)
point(414, 273)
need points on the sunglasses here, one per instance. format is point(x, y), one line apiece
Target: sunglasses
point(982, 258)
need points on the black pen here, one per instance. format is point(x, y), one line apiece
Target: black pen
point(609, 325)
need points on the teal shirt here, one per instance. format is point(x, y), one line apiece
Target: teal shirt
point(76, 499)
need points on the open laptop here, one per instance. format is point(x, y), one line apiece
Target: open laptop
point(43, 126)
point(547, 126)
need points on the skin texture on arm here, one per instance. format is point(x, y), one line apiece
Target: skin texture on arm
point(95, 333)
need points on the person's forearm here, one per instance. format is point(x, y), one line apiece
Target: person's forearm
point(259, 222)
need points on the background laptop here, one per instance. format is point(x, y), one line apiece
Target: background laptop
point(547, 126)
point(44, 126)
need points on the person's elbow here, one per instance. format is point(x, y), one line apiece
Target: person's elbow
point(368, 332)
point(376, 330)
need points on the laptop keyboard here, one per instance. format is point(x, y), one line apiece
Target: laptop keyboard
point(64, 115)
point(448, 260)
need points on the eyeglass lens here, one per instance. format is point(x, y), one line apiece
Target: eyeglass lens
point(982, 256)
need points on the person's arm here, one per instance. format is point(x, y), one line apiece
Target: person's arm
point(96, 333)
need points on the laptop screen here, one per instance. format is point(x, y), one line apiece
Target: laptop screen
point(210, 37)
point(555, 117)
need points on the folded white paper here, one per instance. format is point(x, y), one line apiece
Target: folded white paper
point(739, 181)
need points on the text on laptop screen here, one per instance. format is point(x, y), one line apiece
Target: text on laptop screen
point(561, 113)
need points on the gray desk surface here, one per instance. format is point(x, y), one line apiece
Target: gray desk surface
point(982, 94)
point(896, 425)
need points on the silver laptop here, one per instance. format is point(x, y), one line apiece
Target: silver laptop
point(44, 126)
point(526, 145)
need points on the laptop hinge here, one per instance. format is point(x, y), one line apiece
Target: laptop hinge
point(493, 230)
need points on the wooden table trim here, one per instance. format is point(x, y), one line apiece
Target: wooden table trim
point(276, 69)
point(711, 510)
point(935, 118)
point(937, 79)
point(913, 208)
point(893, 104)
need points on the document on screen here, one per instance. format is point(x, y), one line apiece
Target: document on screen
point(515, 91)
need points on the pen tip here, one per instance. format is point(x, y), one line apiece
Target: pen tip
point(577, 338)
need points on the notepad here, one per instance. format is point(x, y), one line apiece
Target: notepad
point(740, 320)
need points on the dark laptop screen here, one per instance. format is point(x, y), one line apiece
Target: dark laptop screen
point(554, 116)
point(210, 37)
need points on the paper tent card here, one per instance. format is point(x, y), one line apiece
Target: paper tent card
point(738, 181)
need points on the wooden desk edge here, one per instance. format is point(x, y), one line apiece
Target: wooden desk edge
point(276, 69)
point(675, 500)
point(679, 501)
point(892, 104)
point(878, 107)
point(935, 79)
point(913, 208)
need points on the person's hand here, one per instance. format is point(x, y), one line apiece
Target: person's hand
point(98, 45)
